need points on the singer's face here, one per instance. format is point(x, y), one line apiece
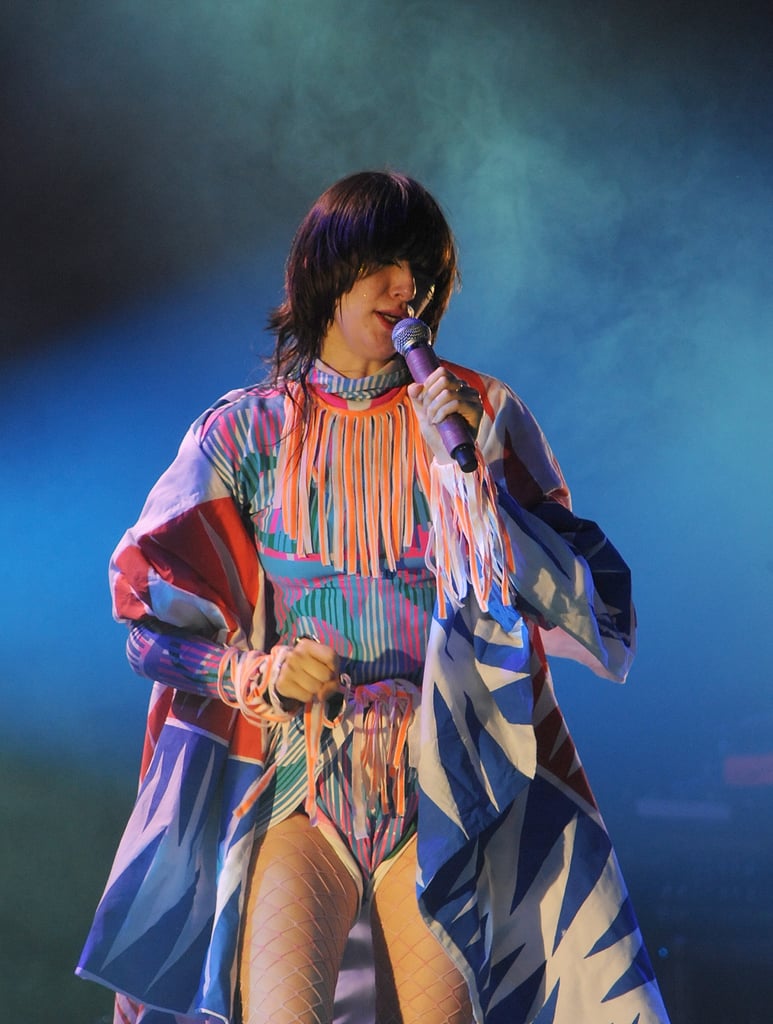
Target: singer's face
point(359, 340)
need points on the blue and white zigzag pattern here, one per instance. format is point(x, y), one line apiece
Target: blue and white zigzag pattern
point(523, 890)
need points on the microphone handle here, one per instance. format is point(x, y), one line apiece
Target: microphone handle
point(454, 431)
point(451, 430)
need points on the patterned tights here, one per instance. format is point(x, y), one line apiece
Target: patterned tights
point(301, 904)
point(416, 983)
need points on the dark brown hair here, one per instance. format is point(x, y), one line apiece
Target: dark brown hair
point(361, 223)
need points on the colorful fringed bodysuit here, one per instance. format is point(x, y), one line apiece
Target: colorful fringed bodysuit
point(260, 533)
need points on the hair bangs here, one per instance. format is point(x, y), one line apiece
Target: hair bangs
point(362, 222)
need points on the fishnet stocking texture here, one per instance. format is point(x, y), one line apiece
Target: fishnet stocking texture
point(416, 983)
point(301, 903)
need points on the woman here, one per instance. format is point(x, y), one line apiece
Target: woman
point(310, 570)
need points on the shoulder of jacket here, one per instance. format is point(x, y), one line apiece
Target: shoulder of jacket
point(254, 400)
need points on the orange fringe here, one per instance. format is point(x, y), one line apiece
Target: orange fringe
point(363, 465)
point(382, 716)
point(379, 714)
point(470, 542)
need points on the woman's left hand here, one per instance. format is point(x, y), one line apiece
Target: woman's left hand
point(440, 395)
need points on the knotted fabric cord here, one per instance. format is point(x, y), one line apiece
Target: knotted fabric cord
point(253, 676)
point(379, 713)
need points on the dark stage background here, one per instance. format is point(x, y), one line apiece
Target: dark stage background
point(608, 169)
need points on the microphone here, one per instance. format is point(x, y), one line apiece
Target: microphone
point(411, 338)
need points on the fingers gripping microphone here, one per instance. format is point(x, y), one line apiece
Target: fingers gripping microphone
point(411, 339)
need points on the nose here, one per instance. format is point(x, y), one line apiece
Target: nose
point(402, 284)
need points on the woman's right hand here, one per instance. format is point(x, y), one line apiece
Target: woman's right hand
point(441, 394)
point(310, 671)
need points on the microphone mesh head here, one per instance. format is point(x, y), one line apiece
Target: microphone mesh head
point(410, 332)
